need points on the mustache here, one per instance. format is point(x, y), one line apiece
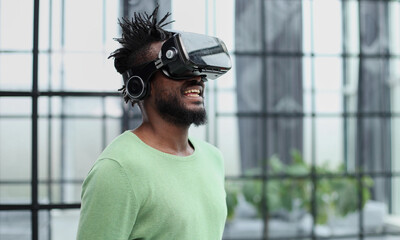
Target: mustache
point(194, 83)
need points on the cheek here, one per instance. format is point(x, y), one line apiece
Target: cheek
point(166, 88)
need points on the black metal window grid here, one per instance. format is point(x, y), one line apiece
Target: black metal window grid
point(48, 186)
point(257, 120)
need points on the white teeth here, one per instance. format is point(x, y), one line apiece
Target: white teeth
point(192, 91)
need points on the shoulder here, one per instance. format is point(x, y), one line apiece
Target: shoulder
point(129, 155)
point(210, 157)
point(206, 148)
point(121, 149)
point(103, 178)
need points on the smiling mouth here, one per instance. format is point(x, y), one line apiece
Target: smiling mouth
point(192, 93)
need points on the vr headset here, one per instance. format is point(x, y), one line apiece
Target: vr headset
point(183, 56)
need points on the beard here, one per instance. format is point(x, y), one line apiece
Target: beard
point(174, 111)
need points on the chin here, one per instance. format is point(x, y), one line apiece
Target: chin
point(198, 107)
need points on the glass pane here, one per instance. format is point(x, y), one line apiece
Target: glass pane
point(394, 85)
point(46, 147)
point(328, 102)
point(79, 33)
point(113, 129)
point(15, 225)
point(111, 28)
point(337, 204)
point(283, 26)
point(308, 77)
point(58, 224)
point(283, 85)
point(67, 191)
point(289, 207)
point(228, 143)
point(352, 26)
point(50, 30)
point(51, 106)
point(350, 144)
point(369, 144)
point(15, 106)
point(224, 13)
point(134, 116)
point(243, 221)
point(376, 195)
point(233, 189)
point(396, 197)
point(308, 99)
point(90, 72)
point(374, 144)
point(196, 24)
point(82, 106)
point(373, 89)
point(328, 73)
point(45, 75)
point(15, 192)
point(350, 87)
point(16, 15)
point(308, 140)
point(248, 37)
point(15, 149)
point(227, 102)
point(15, 71)
point(250, 142)
point(249, 90)
point(307, 26)
point(81, 146)
point(198, 132)
point(394, 19)
point(78, 72)
point(50, 148)
point(67, 157)
point(82, 32)
point(113, 106)
point(284, 140)
point(44, 33)
point(44, 106)
point(327, 26)
point(329, 143)
point(384, 236)
point(395, 142)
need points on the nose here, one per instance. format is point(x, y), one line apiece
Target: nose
point(199, 79)
point(196, 79)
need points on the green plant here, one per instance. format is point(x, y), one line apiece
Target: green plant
point(340, 195)
point(333, 195)
point(232, 192)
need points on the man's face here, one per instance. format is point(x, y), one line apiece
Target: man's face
point(179, 102)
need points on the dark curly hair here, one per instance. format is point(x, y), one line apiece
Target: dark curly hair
point(138, 33)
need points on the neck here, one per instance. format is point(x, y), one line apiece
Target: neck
point(164, 136)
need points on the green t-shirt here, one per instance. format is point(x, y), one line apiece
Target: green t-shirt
point(134, 191)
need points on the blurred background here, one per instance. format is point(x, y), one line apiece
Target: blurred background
point(308, 119)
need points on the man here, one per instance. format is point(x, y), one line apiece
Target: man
point(155, 182)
